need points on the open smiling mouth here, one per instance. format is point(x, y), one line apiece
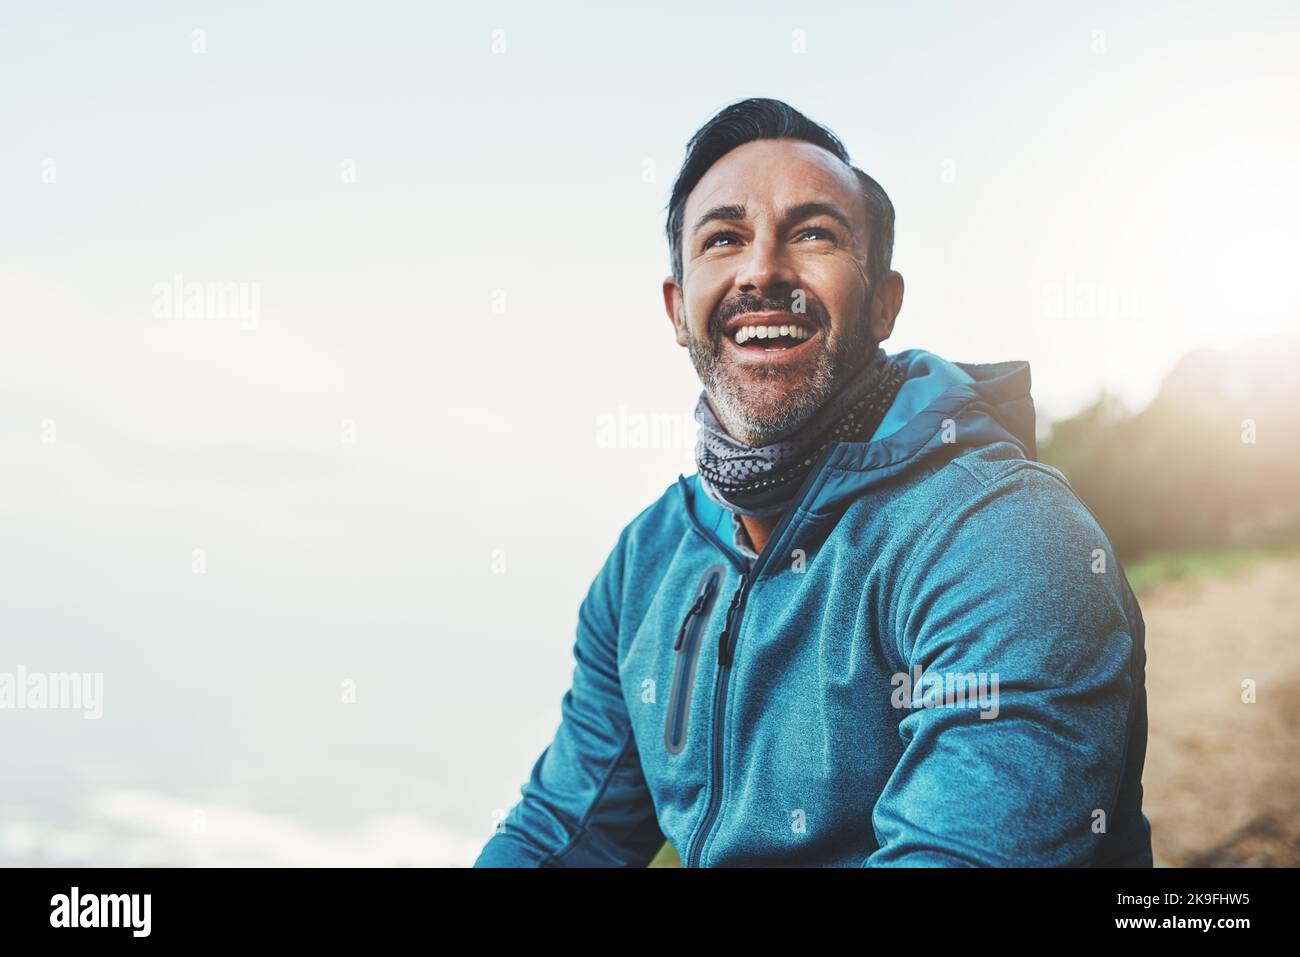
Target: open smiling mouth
point(770, 335)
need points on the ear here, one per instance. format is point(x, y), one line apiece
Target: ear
point(676, 309)
point(885, 305)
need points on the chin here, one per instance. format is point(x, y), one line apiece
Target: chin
point(761, 421)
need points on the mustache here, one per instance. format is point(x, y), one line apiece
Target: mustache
point(744, 303)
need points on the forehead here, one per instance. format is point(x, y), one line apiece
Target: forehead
point(765, 176)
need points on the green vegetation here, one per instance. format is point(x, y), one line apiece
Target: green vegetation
point(1211, 464)
point(1158, 569)
point(667, 857)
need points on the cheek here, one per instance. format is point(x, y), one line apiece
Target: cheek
point(838, 286)
point(702, 295)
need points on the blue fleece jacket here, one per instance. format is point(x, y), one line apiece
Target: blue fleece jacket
point(936, 660)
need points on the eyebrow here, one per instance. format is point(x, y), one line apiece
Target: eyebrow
point(793, 214)
point(716, 213)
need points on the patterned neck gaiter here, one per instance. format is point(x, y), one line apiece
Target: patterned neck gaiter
point(762, 481)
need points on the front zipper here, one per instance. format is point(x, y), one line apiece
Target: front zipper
point(724, 639)
point(719, 707)
point(726, 648)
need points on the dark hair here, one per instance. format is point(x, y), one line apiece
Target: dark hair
point(761, 118)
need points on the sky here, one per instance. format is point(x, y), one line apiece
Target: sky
point(440, 229)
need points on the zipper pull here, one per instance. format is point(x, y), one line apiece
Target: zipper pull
point(724, 640)
point(695, 610)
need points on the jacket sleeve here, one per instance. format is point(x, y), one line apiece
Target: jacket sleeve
point(586, 802)
point(1012, 585)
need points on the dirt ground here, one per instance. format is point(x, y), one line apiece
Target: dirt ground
point(1222, 779)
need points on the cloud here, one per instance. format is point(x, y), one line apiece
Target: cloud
point(141, 828)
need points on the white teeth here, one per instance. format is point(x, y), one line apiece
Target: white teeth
point(745, 333)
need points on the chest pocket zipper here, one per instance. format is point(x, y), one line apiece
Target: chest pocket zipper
point(690, 637)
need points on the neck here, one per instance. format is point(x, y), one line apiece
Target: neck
point(758, 528)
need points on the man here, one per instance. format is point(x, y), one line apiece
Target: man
point(870, 630)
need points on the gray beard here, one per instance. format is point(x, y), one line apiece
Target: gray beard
point(835, 364)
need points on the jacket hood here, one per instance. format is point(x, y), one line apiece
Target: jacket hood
point(941, 404)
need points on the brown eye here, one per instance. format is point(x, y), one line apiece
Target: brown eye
point(817, 232)
point(708, 243)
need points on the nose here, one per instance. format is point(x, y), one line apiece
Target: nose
point(766, 269)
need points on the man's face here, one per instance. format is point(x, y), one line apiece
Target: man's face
point(774, 238)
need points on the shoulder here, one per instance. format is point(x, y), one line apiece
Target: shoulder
point(1031, 493)
point(998, 478)
point(659, 524)
point(655, 527)
point(1005, 516)
point(1016, 562)
point(644, 546)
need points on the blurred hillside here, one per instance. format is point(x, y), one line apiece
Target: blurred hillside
point(1212, 462)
